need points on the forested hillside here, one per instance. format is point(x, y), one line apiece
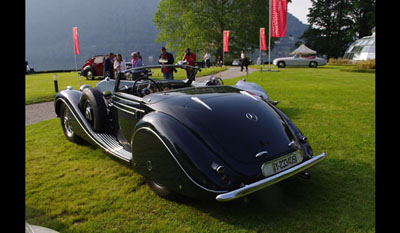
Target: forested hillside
point(119, 26)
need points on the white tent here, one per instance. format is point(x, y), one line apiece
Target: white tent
point(303, 50)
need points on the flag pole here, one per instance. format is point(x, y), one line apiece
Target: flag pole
point(76, 66)
point(269, 37)
point(223, 47)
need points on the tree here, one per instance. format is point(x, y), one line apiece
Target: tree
point(199, 24)
point(363, 16)
point(334, 24)
point(329, 32)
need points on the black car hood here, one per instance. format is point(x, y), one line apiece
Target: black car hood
point(233, 124)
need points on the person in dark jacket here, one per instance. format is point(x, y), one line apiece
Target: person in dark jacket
point(108, 68)
point(166, 58)
point(190, 59)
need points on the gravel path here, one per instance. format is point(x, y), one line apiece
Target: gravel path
point(45, 111)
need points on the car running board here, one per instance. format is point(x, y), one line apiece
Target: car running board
point(110, 144)
point(106, 141)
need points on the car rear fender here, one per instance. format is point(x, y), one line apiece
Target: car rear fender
point(86, 68)
point(174, 146)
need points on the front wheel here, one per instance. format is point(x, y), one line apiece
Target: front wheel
point(66, 124)
point(281, 64)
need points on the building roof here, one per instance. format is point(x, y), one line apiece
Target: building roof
point(303, 49)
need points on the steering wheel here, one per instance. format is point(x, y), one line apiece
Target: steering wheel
point(145, 90)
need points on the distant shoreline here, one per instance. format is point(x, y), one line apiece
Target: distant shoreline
point(54, 71)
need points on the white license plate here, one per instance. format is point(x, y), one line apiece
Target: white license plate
point(281, 164)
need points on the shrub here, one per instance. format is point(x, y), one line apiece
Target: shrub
point(340, 61)
point(368, 64)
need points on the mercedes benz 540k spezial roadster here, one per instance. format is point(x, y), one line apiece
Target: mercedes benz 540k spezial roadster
point(190, 138)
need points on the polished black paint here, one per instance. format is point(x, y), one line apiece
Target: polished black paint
point(182, 139)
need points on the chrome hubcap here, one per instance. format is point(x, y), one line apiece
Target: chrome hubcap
point(90, 75)
point(68, 124)
point(88, 111)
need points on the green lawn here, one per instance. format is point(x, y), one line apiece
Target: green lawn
point(40, 87)
point(77, 188)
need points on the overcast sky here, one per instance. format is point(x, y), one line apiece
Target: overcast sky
point(299, 8)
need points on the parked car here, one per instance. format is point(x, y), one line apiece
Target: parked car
point(236, 62)
point(93, 67)
point(297, 60)
point(198, 139)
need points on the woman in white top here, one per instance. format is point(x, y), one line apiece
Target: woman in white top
point(119, 64)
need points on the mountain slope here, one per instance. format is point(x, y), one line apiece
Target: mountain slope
point(119, 26)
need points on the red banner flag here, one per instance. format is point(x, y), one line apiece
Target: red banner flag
point(263, 44)
point(278, 18)
point(76, 40)
point(226, 41)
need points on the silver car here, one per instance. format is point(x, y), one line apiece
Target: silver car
point(298, 60)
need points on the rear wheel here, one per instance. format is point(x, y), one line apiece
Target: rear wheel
point(162, 191)
point(313, 64)
point(89, 75)
point(93, 107)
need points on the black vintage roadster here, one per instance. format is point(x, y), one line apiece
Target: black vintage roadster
point(197, 139)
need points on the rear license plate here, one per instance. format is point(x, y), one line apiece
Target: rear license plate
point(281, 163)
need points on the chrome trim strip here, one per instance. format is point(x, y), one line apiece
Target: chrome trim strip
point(260, 154)
point(196, 99)
point(124, 110)
point(250, 188)
point(249, 95)
point(127, 106)
point(149, 129)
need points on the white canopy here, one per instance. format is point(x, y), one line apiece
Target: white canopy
point(303, 50)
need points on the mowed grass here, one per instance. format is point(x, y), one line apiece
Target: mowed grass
point(78, 188)
point(40, 87)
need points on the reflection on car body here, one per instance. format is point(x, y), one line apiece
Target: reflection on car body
point(299, 60)
point(192, 138)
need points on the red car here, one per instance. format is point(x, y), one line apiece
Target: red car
point(93, 67)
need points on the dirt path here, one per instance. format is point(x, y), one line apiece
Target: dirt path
point(45, 111)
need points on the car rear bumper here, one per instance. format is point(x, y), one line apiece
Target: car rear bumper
point(250, 188)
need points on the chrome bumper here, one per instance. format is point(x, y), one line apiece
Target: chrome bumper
point(250, 188)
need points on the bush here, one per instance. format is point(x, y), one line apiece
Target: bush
point(340, 61)
point(368, 64)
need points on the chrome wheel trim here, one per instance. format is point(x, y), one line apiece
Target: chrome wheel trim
point(89, 75)
point(68, 124)
point(88, 111)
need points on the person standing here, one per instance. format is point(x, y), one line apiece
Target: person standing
point(166, 58)
point(243, 61)
point(190, 59)
point(108, 66)
point(219, 61)
point(119, 65)
point(136, 62)
point(207, 57)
